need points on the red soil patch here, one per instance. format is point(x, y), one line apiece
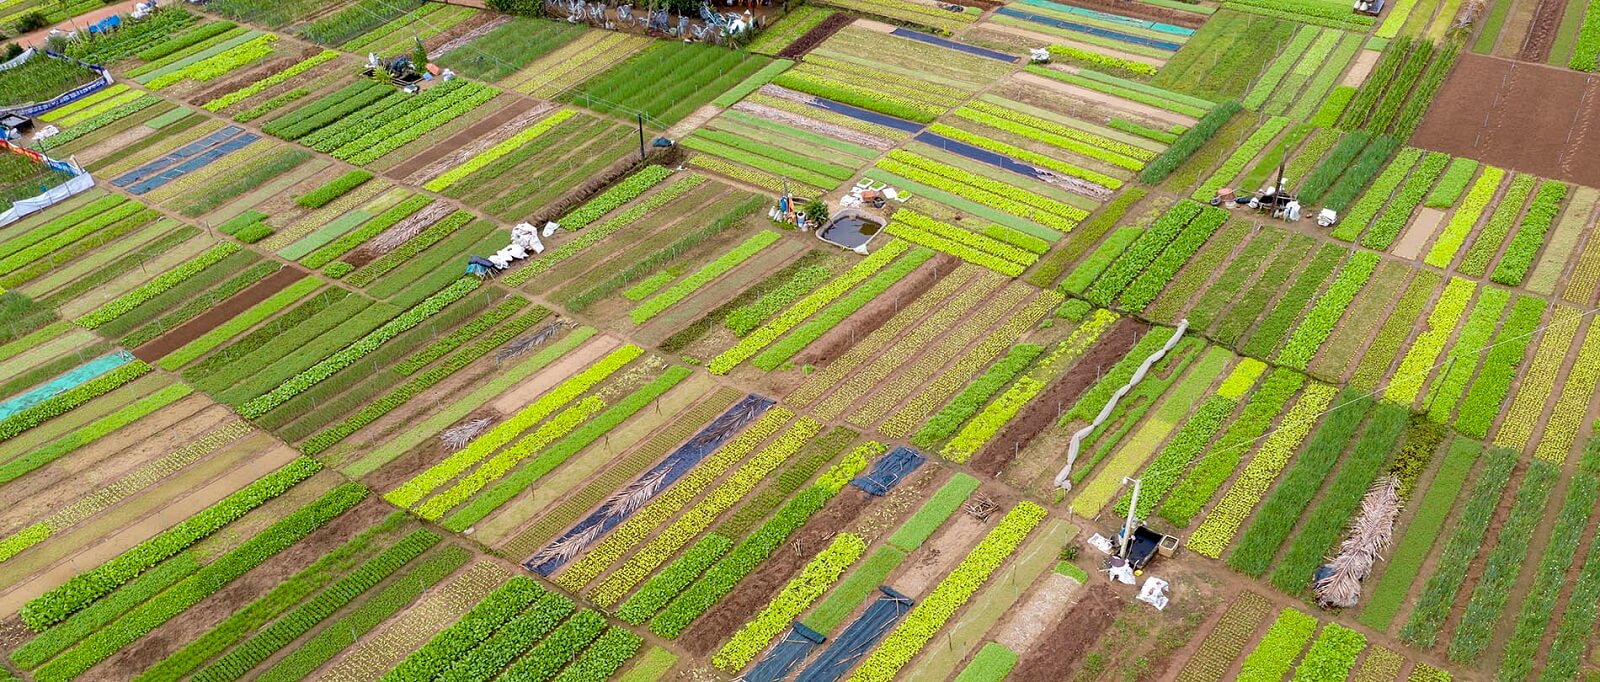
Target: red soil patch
point(1542, 32)
point(1069, 638)
point(1525, 117)
point(814, 37)
point(216, 315)
point(753, 593)
point(1044, 409)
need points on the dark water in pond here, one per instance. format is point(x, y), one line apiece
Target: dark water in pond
point(850, 231)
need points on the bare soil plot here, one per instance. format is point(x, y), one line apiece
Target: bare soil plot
point(1525, 117)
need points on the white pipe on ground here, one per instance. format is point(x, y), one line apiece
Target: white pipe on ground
point(1064, 478)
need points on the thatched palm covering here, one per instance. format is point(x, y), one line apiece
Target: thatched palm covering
point(1370, 535)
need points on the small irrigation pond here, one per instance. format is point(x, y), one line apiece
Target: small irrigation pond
point(850, 229)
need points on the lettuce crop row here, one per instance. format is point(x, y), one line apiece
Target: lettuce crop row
point(997, 414)
point(1355, 220)
point(252, 89)
point(928, 617)
point(700, 278)
point(83, 589)
point(1466, 216)
point(415, 489)
point(700, 517)
point(1464, 545)
point(1220, 525)
point(1486, 398)
point(1417, 363)
point(1518, 257)
point(818, 575)
point(203, 583)
point(123, 304)
point(266, 402)
point(805, 307)
point(667, 504)
point(721, 578)
point(1398, 213)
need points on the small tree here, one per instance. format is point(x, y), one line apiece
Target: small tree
point(816, 211)
point(31, 21)
point(419, 56)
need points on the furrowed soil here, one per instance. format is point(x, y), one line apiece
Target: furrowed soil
point(1542, 32)
point(752, 594)
point(1070, 637)
point(1043, 410)
point(1532, 111)
point(180, 336)
point(814, 37)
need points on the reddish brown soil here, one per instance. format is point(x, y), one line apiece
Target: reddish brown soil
point(469, 25)
point(814, 37)
point(1516, 115)
point(873, 315)
point(1070, 637)
point(473, 132)
point(1542, 33)
point(612, 174)
point(753, 593)
point(405, 466)
point(242, 78)
point(1045, 409)
point(217, 314)
point(1129, 8)
point(199, 618)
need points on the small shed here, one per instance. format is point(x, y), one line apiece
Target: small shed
point(14, 126)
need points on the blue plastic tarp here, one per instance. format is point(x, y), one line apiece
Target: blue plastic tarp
point(864, 115)
point(181, 154)
point(953, 45)
point(890, 470)
point(1091, 30)
point(649, 484)
point(997, 160)
point(783, 658)
point(195, 163)
point(859, 638)
point(1132, 22)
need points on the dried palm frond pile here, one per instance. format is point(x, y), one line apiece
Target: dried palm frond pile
point(1370, 535)
point(457, 437)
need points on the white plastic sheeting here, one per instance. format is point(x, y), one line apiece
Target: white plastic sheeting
point(1064, 478)
point(54, 195)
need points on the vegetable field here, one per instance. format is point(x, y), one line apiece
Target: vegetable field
point(509, 356)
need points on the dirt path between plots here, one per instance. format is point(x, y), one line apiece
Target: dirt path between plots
point(462, 140)
point(430, 450)
point(80, 22)
point(77, 474)
point(755, 591)
point(1072, 635)
point(196, 620)
point(1542, 33)
point(113, 545)
point(870, 317)
point(1102, 99)
point(1046, 408)
point(159, 347)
